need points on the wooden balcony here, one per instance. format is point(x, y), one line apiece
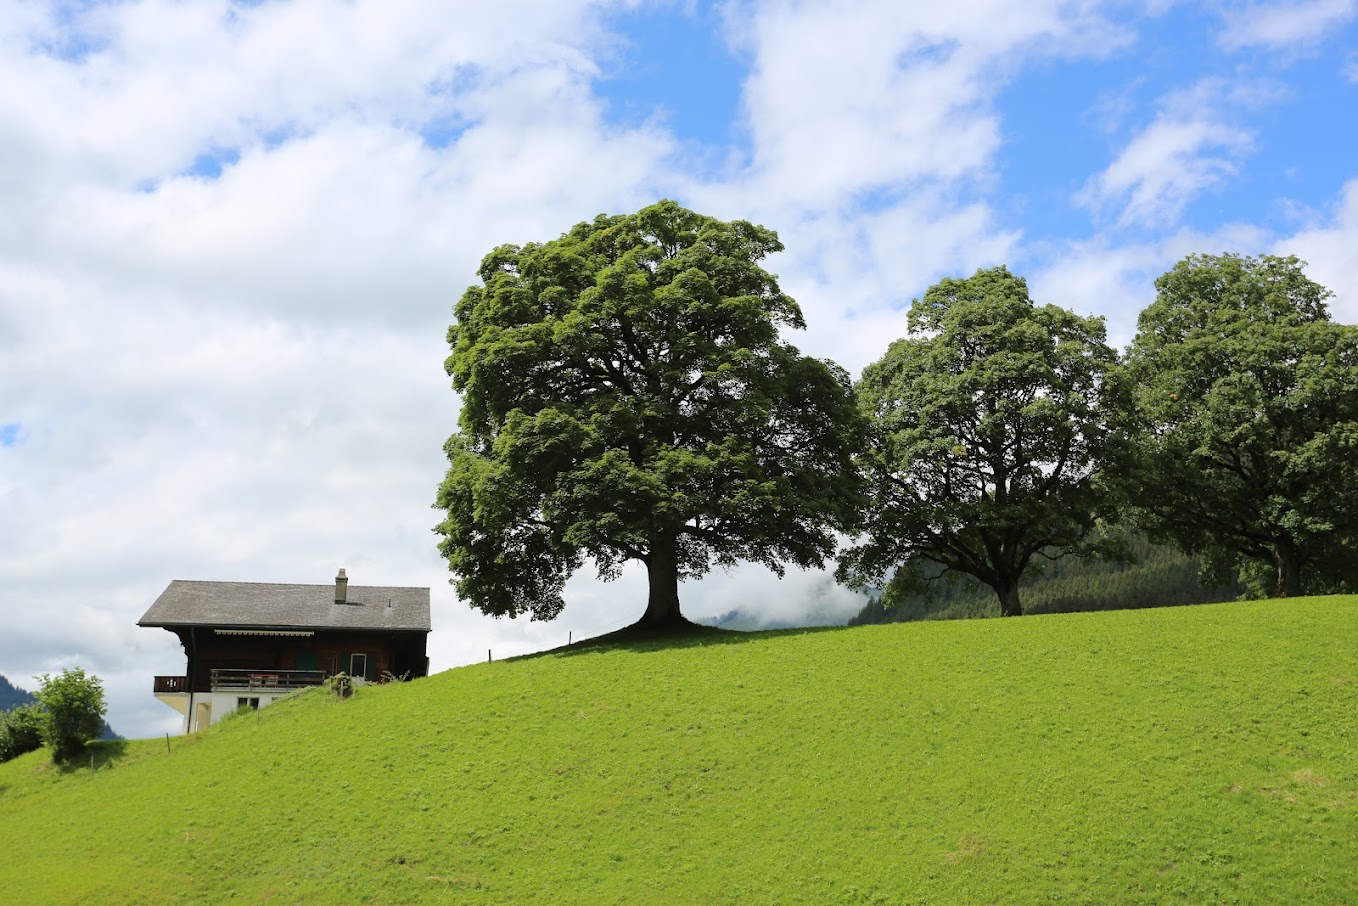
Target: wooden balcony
point(170, 684)
point(265, 679)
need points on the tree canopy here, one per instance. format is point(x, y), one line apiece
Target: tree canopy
point(73, 711)
point(991, 422)
point(1247, 398)
point(626, 396)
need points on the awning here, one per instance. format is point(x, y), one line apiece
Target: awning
point(287, 632)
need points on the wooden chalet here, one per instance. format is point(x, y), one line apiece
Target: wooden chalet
point(249, 643)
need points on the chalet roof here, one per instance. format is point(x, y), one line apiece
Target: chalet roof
point(270, 605)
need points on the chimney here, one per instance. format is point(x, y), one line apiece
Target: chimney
point(341, 587)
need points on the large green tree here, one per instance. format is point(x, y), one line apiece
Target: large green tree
point(1247, 397)
point(626, 396)
point(991, 425)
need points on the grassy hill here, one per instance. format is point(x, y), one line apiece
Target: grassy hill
point(1179, 755)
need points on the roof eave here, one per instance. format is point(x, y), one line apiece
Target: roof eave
point(217, 624)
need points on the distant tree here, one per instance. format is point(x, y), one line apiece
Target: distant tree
point(73, 711)
point(20, 731)
point(626, 396)
point(991, 426)
point(1247, 398)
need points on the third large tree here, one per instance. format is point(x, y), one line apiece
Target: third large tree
point(992, 422)
point(1247, 395)
point(626, 396)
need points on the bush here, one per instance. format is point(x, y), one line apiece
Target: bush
point(341, 684)
point(20, 731)
point(74, 705)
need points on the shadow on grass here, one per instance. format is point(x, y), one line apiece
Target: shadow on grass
point(682, 635)
point(97, 754)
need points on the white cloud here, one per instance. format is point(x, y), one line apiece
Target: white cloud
point(1189, 148)
point(1287, 24)
point(1329, 252)
point(1117, 279)
point(852, 98)
point(1350, 71)
point(1164, 167)
point(873, 138)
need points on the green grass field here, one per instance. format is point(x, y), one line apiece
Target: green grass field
point(1179, 755)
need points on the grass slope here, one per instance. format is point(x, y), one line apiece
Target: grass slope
point(1184, 755)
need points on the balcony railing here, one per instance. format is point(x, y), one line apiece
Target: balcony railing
point(265, 679)
point(171, 684)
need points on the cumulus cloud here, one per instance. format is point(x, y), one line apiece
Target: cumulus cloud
point(872, 143)
point(1328, 249)
point(1285, 25)
point(848, 99)
point(1116, 280)
point(1190, 147)
point(1350, 70)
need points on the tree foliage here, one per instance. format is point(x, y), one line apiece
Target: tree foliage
point(992, 422)
point(1247, 399)
point(73, 711)
point(626, 396)
point(20, 731)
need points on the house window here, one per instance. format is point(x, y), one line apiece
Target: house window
point(358, 665)
point(244, 702)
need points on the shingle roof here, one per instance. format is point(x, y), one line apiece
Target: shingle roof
point(277, 606)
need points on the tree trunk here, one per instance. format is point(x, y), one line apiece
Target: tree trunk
point(1288, 584)
point(662, 604)
point(1009, 600)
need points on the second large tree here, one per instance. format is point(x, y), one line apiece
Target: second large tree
point(992, 422)
point(626, 396)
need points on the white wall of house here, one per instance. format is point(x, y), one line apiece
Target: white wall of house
point(208, 708)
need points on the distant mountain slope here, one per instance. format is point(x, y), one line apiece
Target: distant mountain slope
point(11, 696)
point(1159, 577)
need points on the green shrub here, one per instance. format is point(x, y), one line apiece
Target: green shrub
point(341, 684)
point(74, 706)
point(20, 731)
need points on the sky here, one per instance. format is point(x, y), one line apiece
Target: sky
point(232, 233)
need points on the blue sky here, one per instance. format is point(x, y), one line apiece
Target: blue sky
point(231, 235)
point(677, 63)
point(1064, 119)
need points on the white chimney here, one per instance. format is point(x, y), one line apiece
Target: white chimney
point(341, 587)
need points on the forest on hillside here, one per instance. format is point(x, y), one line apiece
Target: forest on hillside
point(1157, 576)
point(12, 696)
